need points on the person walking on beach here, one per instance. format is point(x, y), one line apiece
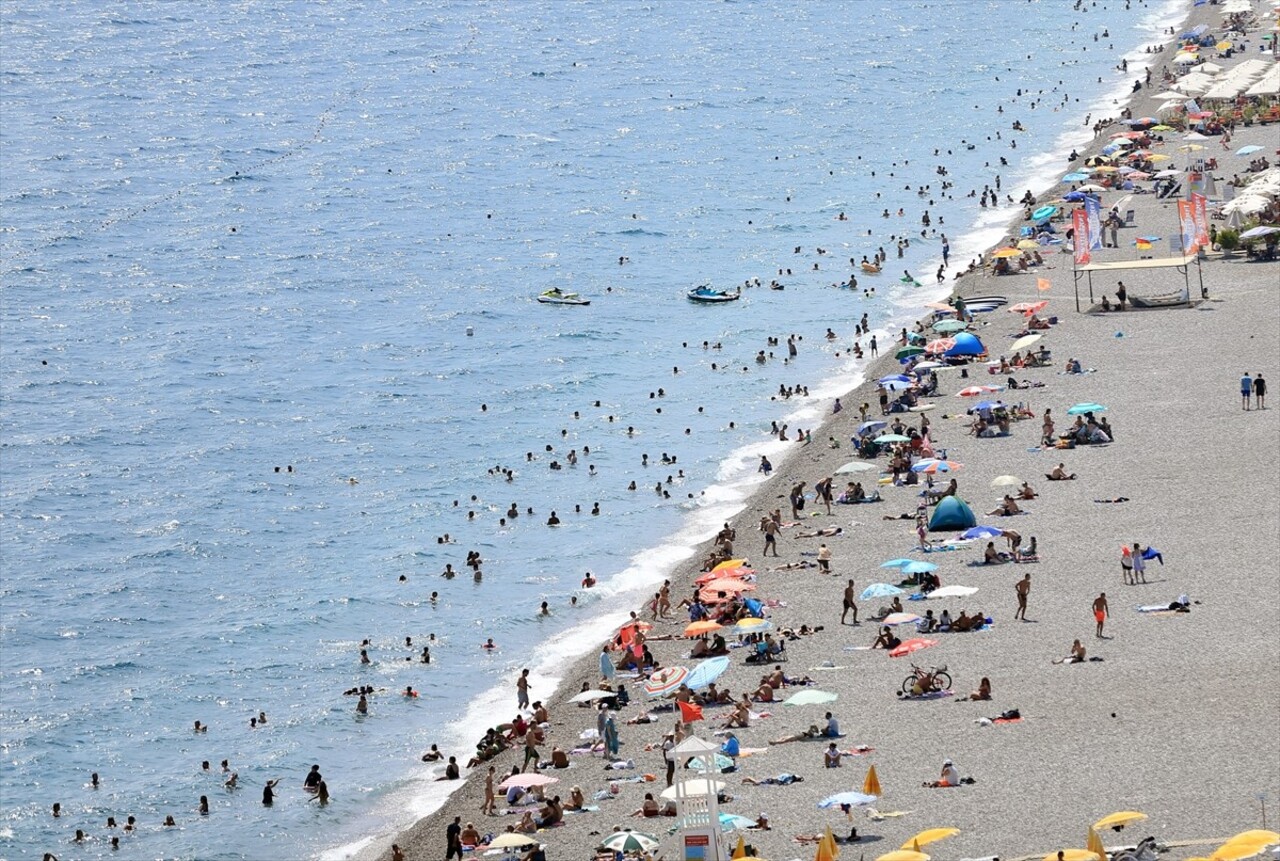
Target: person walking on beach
point(1246, 390)
point(453, 839)
point(770, 529)
point(522, 689)
point(1023, 588)
point(1260, 391)
point(849, 604)
point(490, 800)
point(1100, 612)
point(875, 348)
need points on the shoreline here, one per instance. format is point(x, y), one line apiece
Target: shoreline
point(583, 667)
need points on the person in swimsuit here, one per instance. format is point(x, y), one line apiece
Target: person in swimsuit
point(1100, 612)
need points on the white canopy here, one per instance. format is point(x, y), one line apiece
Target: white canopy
point(1269, 85)
point(1239, 79)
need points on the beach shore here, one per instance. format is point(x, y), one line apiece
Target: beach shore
point(1178, 718)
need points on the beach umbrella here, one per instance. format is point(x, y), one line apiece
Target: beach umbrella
point(1165, 174)
point(900, 619)
point(895, 378)
point(1028, 244)
point(1075, 176)
point(1073, 855)
point(981, 532)
point(1191, 148)
point(1119, 820)
point(731, 563)
point(952, 592)
point(898, 385)
point(1093, 843)
point(665, 681)
point(1259, 232)
point(966, 344)
point(1160, 157)
point(915, 644)
point(940, 346)
point(1246, 844)
point(931, 835)
point(919, 568)
point(933, 467)
point(856, 466)
point(693, 786)
point(949, 326)
point(706, 672)
point(886, 439)
point(1004, 253)
point(697, 629)
point(867, 427)
point(850, 799)
point(908, 352)
point(871, 783)
point(733, 822)
point(810, 698)
point(727, 584)
point(1028, 307)
point(1006, 481)
point(1248, 150)
point(880, 590)
point(975, 391)
point(527, 780)
point(903, 855)
point(986, 405)
point(922, 408)
point(1081, 409)
point(750, 626)
point(896, 563)
point(589, 696)
point(627, 841)
point(1025, 341)
point(511, 840)
point(1044, 213)
point(1097, 189)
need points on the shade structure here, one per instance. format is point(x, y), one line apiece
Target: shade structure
point(665, 681)
point(706, 672)
point(981, 532)
point(856, 466)
point(528, 779)
point(810, 698)
point(931, 835)
point(1081, 409)
point(1025, 341)
point(950, 514)
point(900, 619)
point(915, 644)
point(694, 786)
point(966, 344)
point(693, 746)
point(590, 696)
point(730, 563)
point(952, 592)
point(697, 629)
point(628, 841)
point(749, 626)
point(850, 799)
point(1120, 819)
point(879, 590)
point(933, 466)
point(1006, 481)
point(871, 783)
point(514, 841)
point(950, 326)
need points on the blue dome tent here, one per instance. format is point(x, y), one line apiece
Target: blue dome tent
point(952, 513)
point(967, 344)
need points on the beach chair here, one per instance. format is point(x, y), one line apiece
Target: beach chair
point(1128, 218)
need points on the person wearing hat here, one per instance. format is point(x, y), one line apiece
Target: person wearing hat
point(762, 822)
point(950, 776)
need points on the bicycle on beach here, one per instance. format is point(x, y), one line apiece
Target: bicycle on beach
point(927, 681)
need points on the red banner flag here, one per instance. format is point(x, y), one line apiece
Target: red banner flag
point(1200, 211)
point(689, 712)
point(1187, 225)
point(1080, 225)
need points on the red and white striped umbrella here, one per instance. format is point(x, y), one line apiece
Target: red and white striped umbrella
point(665, 681)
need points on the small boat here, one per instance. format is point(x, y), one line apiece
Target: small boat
point(555, 296)
point(705, 294)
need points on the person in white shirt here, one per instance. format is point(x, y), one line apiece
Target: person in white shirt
point(950, 776)
point(833, 727)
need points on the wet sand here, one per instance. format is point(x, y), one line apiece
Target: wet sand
point(1177, 721)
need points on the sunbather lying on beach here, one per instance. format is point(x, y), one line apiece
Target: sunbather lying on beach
point(783, 779)
point(828, 532)
point(811, 734)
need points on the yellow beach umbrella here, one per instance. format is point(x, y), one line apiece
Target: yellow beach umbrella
point(830, 839)
point(1028, 244)
point(932, 835)
point(732, 563)
point(1119, 820)
point(740, 851)
point(824, 852)
point(1094, 844)
point(871, 786)
point(1007, 252)
point(903, 855)
point(1074, 855)
point(1236, 851)
point(1254, 835)
point(1191, 147)
point(1159, 157)
point(1161, 128)
point(1223, 46)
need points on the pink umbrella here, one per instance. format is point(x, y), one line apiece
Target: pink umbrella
point(665, 681)
point(912, 645)
point(975, 391)
point(528, 779)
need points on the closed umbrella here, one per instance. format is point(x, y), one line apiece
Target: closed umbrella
point(871, 783)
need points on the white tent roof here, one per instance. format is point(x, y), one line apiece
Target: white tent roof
point(1239, 79)
point(1269, 85)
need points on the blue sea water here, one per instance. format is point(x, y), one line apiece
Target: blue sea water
point(238, 237)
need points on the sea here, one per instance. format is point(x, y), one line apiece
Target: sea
point(269, 334)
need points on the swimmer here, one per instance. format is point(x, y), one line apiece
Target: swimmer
point(268, 792)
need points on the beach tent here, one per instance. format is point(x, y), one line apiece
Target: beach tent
point(952, 513)
point(966, 344)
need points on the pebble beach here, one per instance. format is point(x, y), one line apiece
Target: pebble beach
point(1178, 718)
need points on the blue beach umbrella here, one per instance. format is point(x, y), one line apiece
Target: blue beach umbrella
point(1044, 213)
point(879, 590)
point(895, 378)
point(867, 427)
point(885, 439)
point(1081, 409)
point(896, 385)
point(932, 465)
point(981, 532)
point(897, 563)
point(919, 568)
point(706, 673)
point(1248, 150)
point(1075, 177)
point(987, 405)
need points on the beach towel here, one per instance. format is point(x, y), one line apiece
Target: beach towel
point(860, 750)
point(932, 695)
